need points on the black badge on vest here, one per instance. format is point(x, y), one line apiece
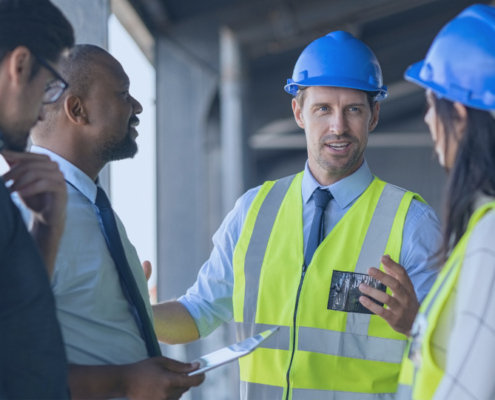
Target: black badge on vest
point(344, 292)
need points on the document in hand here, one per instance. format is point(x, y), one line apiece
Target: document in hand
point(232, 352)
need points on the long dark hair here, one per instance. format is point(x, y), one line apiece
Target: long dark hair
point(473, 171)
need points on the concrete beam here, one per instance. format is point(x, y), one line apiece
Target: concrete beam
point(131, 21)
point(312, 20)
point(297, 141)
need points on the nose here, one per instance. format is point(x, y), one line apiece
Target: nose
point(42, 113)
point(136, 106)
point(338, 123)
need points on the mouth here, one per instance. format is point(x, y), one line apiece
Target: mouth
point(339, 147)
point(134, 122)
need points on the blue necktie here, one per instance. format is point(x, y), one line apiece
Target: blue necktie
point(129, 285)
point(317, 232)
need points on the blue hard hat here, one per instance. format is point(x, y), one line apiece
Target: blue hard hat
point(460, 64)
point(338, 59)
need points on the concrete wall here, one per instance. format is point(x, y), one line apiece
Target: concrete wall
point(89, 19)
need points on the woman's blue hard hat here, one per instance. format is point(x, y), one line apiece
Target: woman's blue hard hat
point(340, 60)
point(460, 64)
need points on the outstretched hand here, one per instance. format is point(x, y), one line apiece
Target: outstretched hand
point(403, 305)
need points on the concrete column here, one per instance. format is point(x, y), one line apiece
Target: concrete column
point(233, 122)
point(185, 92)
point(90, 21)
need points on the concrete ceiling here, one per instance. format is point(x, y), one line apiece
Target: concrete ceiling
point(274, 32)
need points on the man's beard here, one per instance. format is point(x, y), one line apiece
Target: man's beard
point(15, 142)
point(126, 148)
point(352, 160)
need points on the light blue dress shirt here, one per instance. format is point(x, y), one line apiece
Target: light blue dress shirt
point(209, 300)
point(98, 325)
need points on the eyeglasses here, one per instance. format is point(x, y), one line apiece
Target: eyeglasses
point(53, 90)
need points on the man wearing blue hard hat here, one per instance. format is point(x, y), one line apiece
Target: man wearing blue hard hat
point(297, 252)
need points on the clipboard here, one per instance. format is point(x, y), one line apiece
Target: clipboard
point(232, 352)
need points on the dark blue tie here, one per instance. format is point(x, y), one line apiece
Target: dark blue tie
point(317, 232)
point(129, 285)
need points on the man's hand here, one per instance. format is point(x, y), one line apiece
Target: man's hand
point(403, 305)
point(41, 186)
point(159, 378)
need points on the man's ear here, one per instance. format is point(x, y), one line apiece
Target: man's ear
point(296, 109)
point(74, 110)
point(20, 64)
point(374, 117)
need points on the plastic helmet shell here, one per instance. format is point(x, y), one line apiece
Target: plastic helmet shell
point(460, 64)
point(340, 60)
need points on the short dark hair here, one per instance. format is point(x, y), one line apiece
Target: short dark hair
point(371, 96)
point(78, 69)
point(35, 24)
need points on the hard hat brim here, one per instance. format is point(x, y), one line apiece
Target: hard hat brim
point(413, 74)
point(292, 87)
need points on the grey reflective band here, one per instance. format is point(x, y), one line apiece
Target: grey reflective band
point(259, 241)
point(257, 391)
point(345, 344)
point(380, 227)
point(404, 392)
point(306, 394)
point(279, 341)
point(374, 246)
point(440, 288)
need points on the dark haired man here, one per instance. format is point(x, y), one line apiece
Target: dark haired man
point(102, 297)
point(33, 35)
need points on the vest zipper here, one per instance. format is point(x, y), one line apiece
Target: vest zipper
point(304, 268)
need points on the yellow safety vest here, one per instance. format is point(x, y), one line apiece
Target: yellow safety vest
point(317, 353)
point(420, 375)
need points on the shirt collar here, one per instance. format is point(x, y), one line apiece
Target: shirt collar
point(72, 174)
point(344, 191)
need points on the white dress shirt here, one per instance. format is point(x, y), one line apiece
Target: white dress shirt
point(98, 325)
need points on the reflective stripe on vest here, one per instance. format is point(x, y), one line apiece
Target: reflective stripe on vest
point(421, 383)
point(374, 247)
point(257, 247)
point(363, 338)
point(306, 394)
point(256, 391)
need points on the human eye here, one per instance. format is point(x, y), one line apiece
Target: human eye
point(322, 108)
point(354, 109)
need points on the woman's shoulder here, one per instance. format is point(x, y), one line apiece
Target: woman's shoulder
point(483, 236)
